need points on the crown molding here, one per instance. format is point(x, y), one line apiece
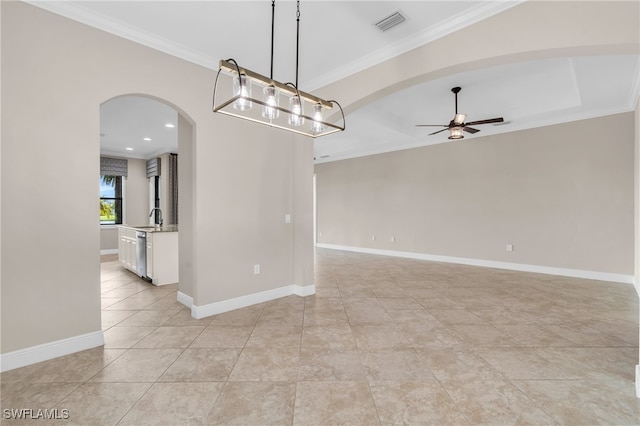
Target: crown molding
point(468, 17)
point(449, 26)
point(85, 16)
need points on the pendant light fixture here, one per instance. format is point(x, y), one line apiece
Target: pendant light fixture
point(275, 104)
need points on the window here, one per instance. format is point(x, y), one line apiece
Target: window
point(156, 198)
point(110, 200)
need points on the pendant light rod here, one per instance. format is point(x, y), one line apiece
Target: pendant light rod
point(301, 112)
point(297, 38)
point(273, 20)
point(455, 91)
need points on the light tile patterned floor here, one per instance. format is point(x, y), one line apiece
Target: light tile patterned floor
point(384, 341)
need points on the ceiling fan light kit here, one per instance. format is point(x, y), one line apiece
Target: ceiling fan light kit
point(456, 133)
point(457, 126)
point(262, 99)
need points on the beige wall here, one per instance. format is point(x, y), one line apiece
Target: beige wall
point(186, 207)
point(636, 216)
point(561, 195)
point(108, 239)
point(242, 176)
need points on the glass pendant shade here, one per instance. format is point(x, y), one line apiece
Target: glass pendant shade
point(273, 103)
point(270, 110)
point(296, 118)
point(242, 88)
point(316, 126)
point(456, 133)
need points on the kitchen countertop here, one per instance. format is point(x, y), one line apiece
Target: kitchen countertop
point(153, 228)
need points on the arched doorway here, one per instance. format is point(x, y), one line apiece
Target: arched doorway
point(152, 140)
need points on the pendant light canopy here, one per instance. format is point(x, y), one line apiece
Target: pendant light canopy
point(254, 97)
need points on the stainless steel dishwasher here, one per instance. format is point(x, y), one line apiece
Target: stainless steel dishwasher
point(141, 254)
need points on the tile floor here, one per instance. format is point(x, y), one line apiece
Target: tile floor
point(384, 341)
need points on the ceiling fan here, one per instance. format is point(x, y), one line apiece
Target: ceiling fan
point(457, 126)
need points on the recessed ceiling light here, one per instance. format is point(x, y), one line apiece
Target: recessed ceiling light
point(169, 125)
point(146, 139)
point(129, 149)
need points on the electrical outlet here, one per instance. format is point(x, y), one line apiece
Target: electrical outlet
point(509, 247)
point(287, 218)
point(373, 238)
point(392, 239)
point(256, 269)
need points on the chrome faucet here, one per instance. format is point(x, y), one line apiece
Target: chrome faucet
point(159, 214)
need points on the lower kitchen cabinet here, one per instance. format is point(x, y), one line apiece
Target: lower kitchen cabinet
point(161, 252)
point(162, 257)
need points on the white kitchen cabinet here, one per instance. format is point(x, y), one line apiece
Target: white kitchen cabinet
point(127, 247)
point(161, 252)
point(150, 255)
point(162, 257)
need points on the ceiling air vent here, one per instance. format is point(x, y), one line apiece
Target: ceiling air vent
point(391, 21)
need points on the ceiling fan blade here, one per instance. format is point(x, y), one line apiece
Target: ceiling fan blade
point(491, 120)
point(431, 125)
point(437, 132)
point(471, 130)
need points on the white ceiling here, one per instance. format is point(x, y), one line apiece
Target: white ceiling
point(136, 127)
point(339, 38)
point(526, 95)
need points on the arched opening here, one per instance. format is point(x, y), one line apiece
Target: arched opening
point(146, 146)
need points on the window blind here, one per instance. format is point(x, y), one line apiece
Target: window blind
point(153, 167)
point(113, 166)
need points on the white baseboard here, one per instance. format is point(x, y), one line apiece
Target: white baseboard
point(46, 351)
point(185, 299)
point(304, 290)
point(638, 380)
point(203, 311)
point(550, 270)
point(108, 251)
